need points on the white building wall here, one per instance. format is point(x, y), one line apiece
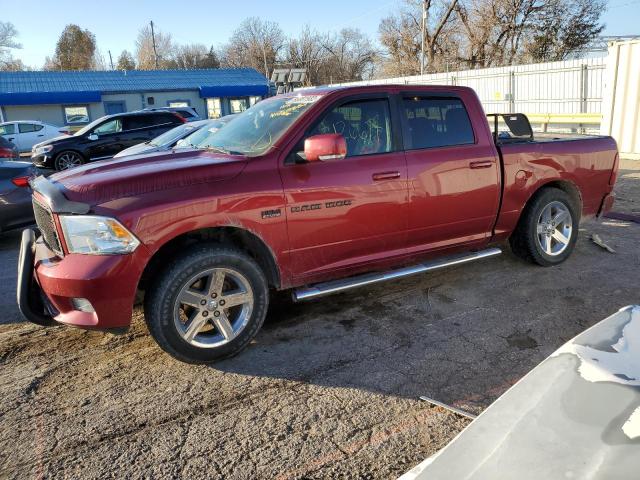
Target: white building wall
point(621, 108)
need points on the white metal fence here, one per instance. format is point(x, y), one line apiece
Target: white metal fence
point(572, 86)
point(591, 95)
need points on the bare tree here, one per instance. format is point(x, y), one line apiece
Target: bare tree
point(255, 43)
point(8, 34)
point(401, 35)
point(350, 56)
point(564, 27)
point(485, 33)
point(126, 61)
point(195, 56)
point(145, 54)
point(307, 51)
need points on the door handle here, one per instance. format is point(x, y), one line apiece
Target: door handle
point(41, 135)
point(385, 176)
point(481, 164)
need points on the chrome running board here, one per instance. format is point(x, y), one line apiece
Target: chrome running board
point(326, 288)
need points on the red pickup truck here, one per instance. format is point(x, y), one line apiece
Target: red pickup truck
point(315, 191)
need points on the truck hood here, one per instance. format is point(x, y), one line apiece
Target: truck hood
point(139, 174)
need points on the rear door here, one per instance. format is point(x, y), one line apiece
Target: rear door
point(453, 172)
point(29, 134)
point(138, 129)
point(160, 122)
point(348, 213)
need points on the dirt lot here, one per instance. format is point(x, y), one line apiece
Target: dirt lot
point(329, 389)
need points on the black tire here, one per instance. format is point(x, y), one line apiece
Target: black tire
point(162, 295)
point(59, 162)
point(524, 242)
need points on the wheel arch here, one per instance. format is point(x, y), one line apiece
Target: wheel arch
point(236, 237)
point(567, 186)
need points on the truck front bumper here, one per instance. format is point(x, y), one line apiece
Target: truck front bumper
point(86, 291)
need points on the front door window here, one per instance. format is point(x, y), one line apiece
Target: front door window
point(112, 126)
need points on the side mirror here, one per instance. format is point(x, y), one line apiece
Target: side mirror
point(93, 137)
point(329, 146)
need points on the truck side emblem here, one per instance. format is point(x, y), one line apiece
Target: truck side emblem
point(318, 206)
point(271, 213)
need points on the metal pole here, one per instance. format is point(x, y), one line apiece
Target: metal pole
point(110, 59)
point(153, 40)
point(424, 21)
point(264, 56)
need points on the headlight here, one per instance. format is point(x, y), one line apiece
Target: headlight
point(95, 235)
point(42, 150)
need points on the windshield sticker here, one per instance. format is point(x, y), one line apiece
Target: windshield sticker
point(305, 99)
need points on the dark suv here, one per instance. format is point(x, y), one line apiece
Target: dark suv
point(103, 138)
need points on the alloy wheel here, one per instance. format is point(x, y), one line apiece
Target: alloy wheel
point(554, 228)
point(68, 160)
point(213, 307)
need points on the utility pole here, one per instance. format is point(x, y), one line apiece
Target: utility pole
point(264, 56)
point(424, 24)
point(153, 40)
point(110, 59)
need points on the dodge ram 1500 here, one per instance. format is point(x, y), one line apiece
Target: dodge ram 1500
point(315, 191)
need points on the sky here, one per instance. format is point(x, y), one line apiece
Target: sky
point(39, 22)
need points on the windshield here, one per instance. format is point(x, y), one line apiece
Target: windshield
point(255, 130)
point(172, 136)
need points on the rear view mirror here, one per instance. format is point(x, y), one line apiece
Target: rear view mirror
point(93, 137)
point(329, 146)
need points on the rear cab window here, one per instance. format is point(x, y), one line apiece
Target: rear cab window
point(432, 122)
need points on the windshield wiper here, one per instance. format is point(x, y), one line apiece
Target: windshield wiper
point(223, 150)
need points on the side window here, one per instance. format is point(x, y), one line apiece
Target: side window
point(110, 126)
point(436, 122)
point(156, 119)
point(134, 122)
point(365, 125)
point(29, 127)
point(8, 129)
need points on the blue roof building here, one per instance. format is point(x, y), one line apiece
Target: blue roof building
point(78, 97)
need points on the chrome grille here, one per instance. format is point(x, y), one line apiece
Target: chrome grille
point(47, 226)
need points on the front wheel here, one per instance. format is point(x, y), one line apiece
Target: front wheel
point(68, 159)
point(208, 304)
point(548, 229)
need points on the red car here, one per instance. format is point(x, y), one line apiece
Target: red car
point(315, 191)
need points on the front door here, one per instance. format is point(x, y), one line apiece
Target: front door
point(453, 171)
point(109, 141)
point(351, 212)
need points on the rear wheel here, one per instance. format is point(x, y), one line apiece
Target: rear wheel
point(68, 159)
point(548, 229)
point(208, 304)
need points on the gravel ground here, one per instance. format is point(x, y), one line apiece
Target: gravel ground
point(329, 389)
